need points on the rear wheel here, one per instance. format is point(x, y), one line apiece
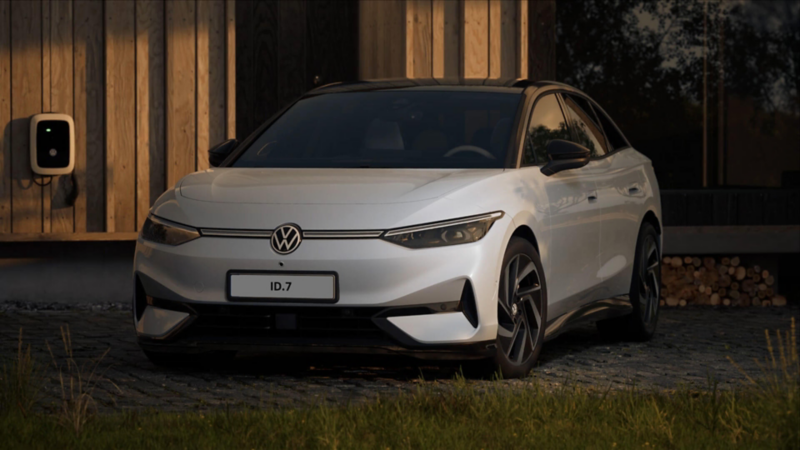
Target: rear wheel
point(521, 310)
point(645, 292)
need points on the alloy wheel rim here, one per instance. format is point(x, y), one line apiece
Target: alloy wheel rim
point(649, 284)
point(519, 310)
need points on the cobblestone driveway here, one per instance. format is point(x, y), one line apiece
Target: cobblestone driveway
point(691, 345)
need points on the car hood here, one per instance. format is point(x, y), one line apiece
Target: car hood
point(324, 199)
point(326, 186)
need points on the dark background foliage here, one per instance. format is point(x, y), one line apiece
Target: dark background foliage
point(643, 62)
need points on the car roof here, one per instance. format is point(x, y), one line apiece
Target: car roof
point(511, 85)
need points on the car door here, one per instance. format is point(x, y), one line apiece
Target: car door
point(619, 183)
point(622, 193)
point(574, 231)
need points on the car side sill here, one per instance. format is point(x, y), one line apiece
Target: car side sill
point(599, 310)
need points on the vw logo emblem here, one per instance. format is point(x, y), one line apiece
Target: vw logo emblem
point(285, 239)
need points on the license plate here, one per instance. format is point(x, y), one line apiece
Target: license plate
point(280, 286)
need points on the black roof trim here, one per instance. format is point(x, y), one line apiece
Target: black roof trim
point(399, 83)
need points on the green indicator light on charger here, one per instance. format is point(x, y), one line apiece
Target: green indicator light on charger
point(47, 129)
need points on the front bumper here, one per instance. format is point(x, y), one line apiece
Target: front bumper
point(391, 298)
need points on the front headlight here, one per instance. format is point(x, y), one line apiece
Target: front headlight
point(440, 234)
point(163, 231)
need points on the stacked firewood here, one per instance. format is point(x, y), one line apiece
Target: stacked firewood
point(716, 282)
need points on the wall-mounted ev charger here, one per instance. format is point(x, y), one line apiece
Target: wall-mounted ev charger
point(52, 144)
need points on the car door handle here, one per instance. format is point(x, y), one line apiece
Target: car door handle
point(593, 196)
point(633, 190)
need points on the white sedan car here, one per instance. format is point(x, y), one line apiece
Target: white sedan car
point(444, 219)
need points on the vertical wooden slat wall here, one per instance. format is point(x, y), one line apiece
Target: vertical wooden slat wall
point(26, 100)
point(444, 38)
point(120, 116)
point(46, 101)
point(89, 115)
point(181, 88)
point(62, 211)
point(286, 47)
point(382, 39)
point(5, 116)
point(150, 106)
point(150, 85)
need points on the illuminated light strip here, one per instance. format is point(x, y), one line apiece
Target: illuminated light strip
point(354, 234)
point(366, 234)
point(449, 223)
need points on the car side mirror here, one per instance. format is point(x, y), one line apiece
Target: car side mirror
point(565, 155)
point(219, 152)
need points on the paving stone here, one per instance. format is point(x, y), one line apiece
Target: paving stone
point(691, 347)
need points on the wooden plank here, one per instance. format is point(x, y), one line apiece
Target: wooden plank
point(382, 40)
point(56, 237)
point(120, 116)
point(476, 39)
point(217, 91)
point(203, 72)
point(446, 34)
point(211, 120)
point(502, 39)
point(181, 79)
point(367, 42)
point(230, 67)
point(495, 38)
point(542, 40)
point(5, 117)
point(392, 38)
point(411, 7)
point(522, 39)
point(45, 106)
point(245, 68)
point(420, 36)
point(150, 106)
point(332, 42)
point(386, 27)
point(89, 76)
point(291, 50)
point(264, 89)
point(26, 86)
point(62, 212)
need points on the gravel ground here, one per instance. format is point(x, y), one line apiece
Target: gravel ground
point(692, 345)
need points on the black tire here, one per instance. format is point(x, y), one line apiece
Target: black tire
point(521, 321)
point(178, 360)
point(640, 324)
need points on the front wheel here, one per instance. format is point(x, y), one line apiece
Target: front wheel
point(521, 310)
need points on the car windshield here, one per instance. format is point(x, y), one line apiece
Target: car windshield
point(389, 129)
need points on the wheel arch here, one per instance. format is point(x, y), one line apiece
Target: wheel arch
point(526, 233)
point(650, 217)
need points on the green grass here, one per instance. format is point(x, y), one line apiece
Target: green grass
point(763, 414)
point(501, 418)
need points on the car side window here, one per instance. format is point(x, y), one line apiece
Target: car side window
point(615, 138)
point(547, 123)
point(587, 132)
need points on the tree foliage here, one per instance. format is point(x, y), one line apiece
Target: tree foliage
point(643, 60)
